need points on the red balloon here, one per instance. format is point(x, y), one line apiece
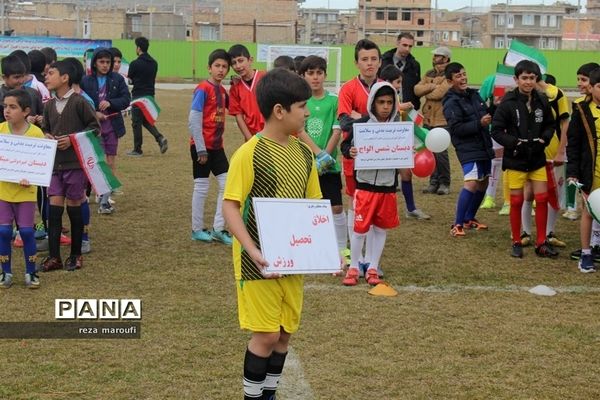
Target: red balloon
point(424, 163)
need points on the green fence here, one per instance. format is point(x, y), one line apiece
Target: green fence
point(177, 60)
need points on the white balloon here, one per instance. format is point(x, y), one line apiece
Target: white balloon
point(437, 140)
point(593, 204)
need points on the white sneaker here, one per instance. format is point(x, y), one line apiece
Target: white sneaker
point(417, 214)
point(86, 246)
point(571, 215)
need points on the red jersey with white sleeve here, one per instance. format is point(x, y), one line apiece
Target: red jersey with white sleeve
point(242, 100)
point(211, 100)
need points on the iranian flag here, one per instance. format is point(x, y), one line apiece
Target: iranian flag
point(415, 117)
point(504, 80)
point(124, 70)
point(520, 51)
point(148, 107)
point(93, 162)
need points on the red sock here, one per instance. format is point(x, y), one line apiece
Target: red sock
point(541, 216)
point(516, 203)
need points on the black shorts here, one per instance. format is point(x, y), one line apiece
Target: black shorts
point(331, 188)
point(217, 163)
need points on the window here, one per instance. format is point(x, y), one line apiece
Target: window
point(208, 32)
point(420, 21)
point(446, 36)
point(420, 33)
point(332, 17)
point(321, 18)
point(86, 29)
point(551, 43)
point(542, 43)
point(510, 21)
point(379, 15)
point(543, 20)
point(419, 44)
point(455, 36)
point(500, 20)
point(136, 23)
point(528, 19)
point(406, 16)
point(552, 20)
point(499, 43)
point(393, 15)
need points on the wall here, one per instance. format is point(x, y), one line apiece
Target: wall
point(175, 60)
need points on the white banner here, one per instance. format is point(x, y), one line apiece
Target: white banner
point(23, 157)
point(291, 51)
point(297, 236)
point(385, 145)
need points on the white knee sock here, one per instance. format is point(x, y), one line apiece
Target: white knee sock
point(551, 221)
point(526, 216)
point(494, 177)
point(350, 215)
point(341, 230)
point(357, 240)
point(198, 199)
point(595, 239)
point(219, 222)
point(378, 237)
point(561, 188)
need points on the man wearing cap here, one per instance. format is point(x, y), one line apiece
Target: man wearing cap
point(411, 69)
point(433, 87)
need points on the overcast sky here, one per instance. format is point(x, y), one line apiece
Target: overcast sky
point(447, 4)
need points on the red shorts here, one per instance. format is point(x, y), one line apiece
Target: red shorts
point(379, 209)
point(348, 168)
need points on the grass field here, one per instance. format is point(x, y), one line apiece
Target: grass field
point(463, 326)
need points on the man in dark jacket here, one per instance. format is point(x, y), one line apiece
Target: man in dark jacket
point(523, 123)
point(410, 67)
point(142, 73)
point(468, 120)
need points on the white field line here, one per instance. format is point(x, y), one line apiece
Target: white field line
point(293, 386)
point(334, 287)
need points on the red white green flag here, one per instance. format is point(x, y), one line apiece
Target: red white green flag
point(504, 80)
point(520, 51)
point(415, 117)
point(124, 70)
point(93, 162)
point(148, 107)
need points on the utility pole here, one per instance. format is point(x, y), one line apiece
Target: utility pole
point(3, 19)
point(434, 30)
point(506, 24)
point(221, 17)
point(194, 39)
point(254, 30)
point(364, 27)
point(576, 25)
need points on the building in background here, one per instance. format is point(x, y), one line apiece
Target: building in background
point(581, 31)
point(382, 20)
point(473, 22)
point(264, 21)
point(539, 26)
point(327, 26)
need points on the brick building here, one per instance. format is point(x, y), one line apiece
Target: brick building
point(382, 20)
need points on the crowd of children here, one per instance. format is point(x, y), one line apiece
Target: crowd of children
point(293, 128)
point(43, 97)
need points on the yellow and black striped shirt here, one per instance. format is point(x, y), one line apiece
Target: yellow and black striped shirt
point(264, 168)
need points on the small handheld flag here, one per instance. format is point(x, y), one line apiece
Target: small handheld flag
point(148, 107)
point(93, 162)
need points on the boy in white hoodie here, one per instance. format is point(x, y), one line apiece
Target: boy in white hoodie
point(375, 195)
